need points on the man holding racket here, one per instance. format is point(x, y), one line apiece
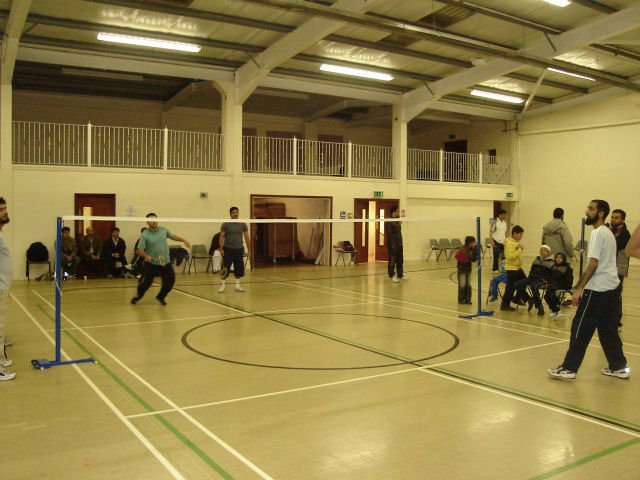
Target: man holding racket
point(153, 248)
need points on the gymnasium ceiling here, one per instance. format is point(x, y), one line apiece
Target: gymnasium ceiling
point(436, 51)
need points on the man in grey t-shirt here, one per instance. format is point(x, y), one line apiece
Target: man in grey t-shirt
point(232, 249)
point(6, 274)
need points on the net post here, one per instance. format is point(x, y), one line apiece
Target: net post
point(479, 312)
point(43, 363)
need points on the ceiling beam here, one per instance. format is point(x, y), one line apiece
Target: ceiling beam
point(337, 107)
point(418, 100)
point(249, 76)
point(11, 38)
point(186, 93)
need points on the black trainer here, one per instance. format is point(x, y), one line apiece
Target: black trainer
point(161, 301)
point(135, 300)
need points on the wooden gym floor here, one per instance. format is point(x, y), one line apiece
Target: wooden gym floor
point(312, 373)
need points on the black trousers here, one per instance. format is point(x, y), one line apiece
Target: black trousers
point(150, 271)
point(512, 277)
point(498, 254)
point(396, 259)
point(596, 310)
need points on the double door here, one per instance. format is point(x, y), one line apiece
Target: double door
point(368, 237)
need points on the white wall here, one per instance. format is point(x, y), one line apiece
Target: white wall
point(573, 156)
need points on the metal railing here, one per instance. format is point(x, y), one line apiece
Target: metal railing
point(36, 143)
point(49, 144)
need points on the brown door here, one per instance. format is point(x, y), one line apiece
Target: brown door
point(361, 229)
point(368, 208)
point(383, 208)
point(95, 204)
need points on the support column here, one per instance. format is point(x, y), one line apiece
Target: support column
point(399, 147)
point(232, 143)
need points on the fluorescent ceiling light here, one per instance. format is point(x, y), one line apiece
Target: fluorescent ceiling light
point(496, 96)
point(148, 42)
point(99, 74)
point(557, 70)
point(356, 72)
point(558, 3)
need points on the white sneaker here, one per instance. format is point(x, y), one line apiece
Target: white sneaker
point(239, 288)
point(395, 280)
point(5, 362)
point(557, 314)
point(560, 372)
point(221, 289)
point(622, 373)
point(6, 375)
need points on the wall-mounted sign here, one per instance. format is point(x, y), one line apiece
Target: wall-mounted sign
point(378, 194)
point(343, 214)
point(509, 195)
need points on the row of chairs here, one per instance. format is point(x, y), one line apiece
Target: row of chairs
point(200, 252)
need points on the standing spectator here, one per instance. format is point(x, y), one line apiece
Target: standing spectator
point(498, 234)
point(114, 254)
point(393, 239)
point(153, 248)
point(556, 234)
point(214, 252)
point(513, 265)
point(232, 249)
point(69, 250)
point(561, 279)
point(597, 297)
point(621, 233)
point(6, 274)
point(465, 257)
point(91, 248)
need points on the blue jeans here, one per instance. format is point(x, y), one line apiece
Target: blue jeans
point(495, 281)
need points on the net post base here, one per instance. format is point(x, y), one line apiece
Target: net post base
point(43, 363)
point(479, 313)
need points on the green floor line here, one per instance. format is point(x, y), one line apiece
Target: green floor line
point(587, 459)
point(166, 423)
point(532, 396)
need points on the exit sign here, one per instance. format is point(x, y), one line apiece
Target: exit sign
point(378, 194)
point(509, 194)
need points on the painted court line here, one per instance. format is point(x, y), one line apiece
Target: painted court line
point(163, 461)
point(176, 408)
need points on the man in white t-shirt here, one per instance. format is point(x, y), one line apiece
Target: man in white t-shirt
point(498, 234)
point(597, 297)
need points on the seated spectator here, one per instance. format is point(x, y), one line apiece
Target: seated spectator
point(91, 249)
point(496, 281)
point(539, 274)
point(513, 265)
point(214, 251)
point(113, 252)
point(69, 250)
point(561, 279)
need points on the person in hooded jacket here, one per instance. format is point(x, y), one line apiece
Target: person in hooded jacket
point(561, 279)
point(556, 234)
point(465, 257)
point(539, 274)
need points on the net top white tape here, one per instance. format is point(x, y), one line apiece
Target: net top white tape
point(259, 220)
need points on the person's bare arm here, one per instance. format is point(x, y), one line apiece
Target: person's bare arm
point(222, 243)
point(178, 238)
point(633, 247)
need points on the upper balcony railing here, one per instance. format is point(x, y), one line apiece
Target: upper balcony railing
point(89, 145)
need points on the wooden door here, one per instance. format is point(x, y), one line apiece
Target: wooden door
point(361, 230)
point(383, 210)
point(95, 204)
